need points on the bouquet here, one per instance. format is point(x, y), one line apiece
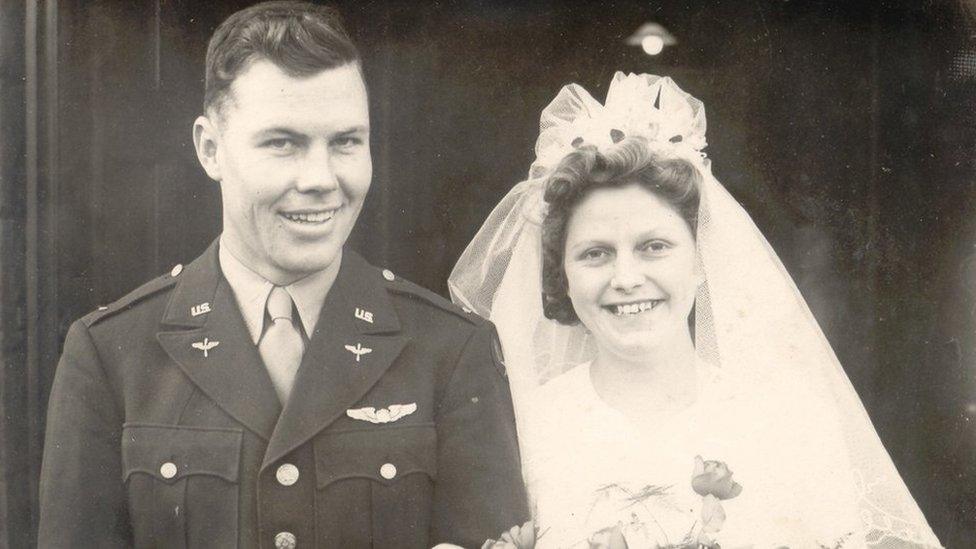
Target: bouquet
point(711, 480)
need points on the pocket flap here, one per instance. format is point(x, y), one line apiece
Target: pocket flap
point(383, 454)
point(170, 453)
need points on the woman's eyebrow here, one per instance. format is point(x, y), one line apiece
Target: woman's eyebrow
point(589, 243)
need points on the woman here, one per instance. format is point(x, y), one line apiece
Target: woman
point(670, 348)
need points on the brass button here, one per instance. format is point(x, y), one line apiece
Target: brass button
point(388, 274)
point(168, 470)
point(285, 540)
point(287, 474)
point(388, 471)
point(176, 270)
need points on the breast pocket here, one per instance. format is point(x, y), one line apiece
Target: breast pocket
point(182, 484)
point(375, 486)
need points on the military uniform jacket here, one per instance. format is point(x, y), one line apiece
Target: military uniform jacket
point(164, 429)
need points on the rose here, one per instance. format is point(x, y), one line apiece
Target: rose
point(517, 537)
point(713, 478)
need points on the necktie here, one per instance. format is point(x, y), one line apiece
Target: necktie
point(281, 345)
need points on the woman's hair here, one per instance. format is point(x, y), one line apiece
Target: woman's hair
point(630, 161)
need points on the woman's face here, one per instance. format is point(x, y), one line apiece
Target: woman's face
point(630, 267)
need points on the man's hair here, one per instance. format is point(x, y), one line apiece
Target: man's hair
point(300, 38)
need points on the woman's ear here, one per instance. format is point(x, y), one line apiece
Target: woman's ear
point(206, 141)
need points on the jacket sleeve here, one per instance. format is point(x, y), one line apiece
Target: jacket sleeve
point(479, 492)
point(82, 500)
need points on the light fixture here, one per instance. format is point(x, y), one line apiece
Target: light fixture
point(652, 38)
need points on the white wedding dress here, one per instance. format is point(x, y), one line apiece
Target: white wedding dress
point(774, 403)
point(584, 462)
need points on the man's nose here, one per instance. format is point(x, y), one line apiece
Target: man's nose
point(318, 171)
point(627, 274)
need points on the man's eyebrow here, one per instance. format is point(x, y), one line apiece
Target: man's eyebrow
point(354, 129)
point(278, 130)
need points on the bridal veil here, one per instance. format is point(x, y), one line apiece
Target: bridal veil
point(750, 319)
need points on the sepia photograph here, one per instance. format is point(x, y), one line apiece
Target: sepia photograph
point(488, 274)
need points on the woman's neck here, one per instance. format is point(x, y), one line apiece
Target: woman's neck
point(662, 381)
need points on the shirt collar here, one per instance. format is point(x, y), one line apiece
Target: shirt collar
point(251, 292)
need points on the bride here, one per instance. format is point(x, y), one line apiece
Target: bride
point(671, 387)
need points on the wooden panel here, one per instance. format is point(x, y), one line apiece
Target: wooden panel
point(15, 464)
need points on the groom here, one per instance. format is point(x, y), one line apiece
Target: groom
point(279, 391)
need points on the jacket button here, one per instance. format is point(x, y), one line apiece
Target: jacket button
point(388, 471)
point(388, 274)
point(287, 474)
point(168, 470)
point(285, 540)
point(177, 269)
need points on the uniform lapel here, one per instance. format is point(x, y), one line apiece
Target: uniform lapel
point(207, 337)
point(357, 314)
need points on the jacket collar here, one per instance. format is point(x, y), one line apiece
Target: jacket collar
point(203, 331)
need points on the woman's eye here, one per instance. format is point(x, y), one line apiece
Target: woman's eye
point(594, 254)
point(656, 246)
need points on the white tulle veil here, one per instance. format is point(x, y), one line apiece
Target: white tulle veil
point(751, 321)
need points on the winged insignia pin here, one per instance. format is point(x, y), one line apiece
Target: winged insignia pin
point(358, 350)
point(383, 415)
point(205, 346)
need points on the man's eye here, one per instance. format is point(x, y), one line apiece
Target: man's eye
point(347, 142)
point(280, 144)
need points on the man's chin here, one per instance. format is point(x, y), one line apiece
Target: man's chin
point(299, 265)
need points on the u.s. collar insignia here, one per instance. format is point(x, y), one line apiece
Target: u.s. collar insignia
point(383, 415)
point(363, 314)
point(200, 309)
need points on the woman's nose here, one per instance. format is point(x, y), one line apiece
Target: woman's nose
point(626, 274)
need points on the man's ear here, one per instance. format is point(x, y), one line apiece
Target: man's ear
point(206, 141)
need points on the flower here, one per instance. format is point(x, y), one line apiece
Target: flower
point(517, 537)
point(609, 538)
point(713, 478)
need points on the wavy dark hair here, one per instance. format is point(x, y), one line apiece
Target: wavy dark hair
point(300, 38)
point(630, 161)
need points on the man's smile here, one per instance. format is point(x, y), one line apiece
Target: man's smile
point(310, 216)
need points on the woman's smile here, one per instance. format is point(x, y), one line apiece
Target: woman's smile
point(634, 307)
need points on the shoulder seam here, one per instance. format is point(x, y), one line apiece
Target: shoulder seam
point(141, 293)
point(402, 286)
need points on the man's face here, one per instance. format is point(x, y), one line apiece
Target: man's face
point(292, 157)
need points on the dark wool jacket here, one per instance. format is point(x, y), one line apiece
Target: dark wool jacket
point(164, 429)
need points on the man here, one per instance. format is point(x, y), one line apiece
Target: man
point(279, 391)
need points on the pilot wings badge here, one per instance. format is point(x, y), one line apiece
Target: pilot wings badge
point(383, 415)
